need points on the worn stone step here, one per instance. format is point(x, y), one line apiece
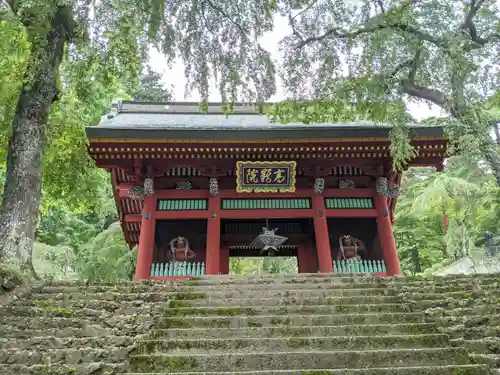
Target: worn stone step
point(337, 278)
point(76, 309)
point(67, 332)
point(291, 343)
point(56, 342)
point(305, 276)
point(155, 295)
point(419, 370)
point(82, 309)
point(492, 360)
point(472, 320)
point(487, 345)
point(132, 306)
point(291, 319)
point(303, 300)
point(284, 310)
point(126, 323)
point(293, 331)
point(36, 356)
point(298, 359)
point(472, 333)
point(95, 368)
point(350, 283)
point(313, 296)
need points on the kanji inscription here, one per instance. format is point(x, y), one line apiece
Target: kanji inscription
point(266, 176)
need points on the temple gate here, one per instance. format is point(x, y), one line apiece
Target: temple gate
point(193, 190)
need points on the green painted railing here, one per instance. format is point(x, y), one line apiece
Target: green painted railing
point(177, 269)
point(181, 204)
point(348, 203)
point(359, 266)
point(266, 204)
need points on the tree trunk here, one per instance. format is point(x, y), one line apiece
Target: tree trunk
point(23, 184)
point(490, 152)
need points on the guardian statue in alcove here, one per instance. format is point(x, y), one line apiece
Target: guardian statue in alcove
point(350, 248)
point(180, 250)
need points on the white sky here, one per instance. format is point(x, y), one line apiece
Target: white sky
point(175, 75)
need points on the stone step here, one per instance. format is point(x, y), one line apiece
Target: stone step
point(486, 345)
point(287, 320)
point(298, 359)
point(36, 356)
point(62, 333)
point(56, 342)
point(305, 276)
point(74, 309)
point(419, 300)
point(492, 360)
point(125, 323)
point(93, 368)
point(283, 310)
point(188, 286)
point(294, 331)
point(420, 370)
point(341, 330)
point(472, 333)
point(283, 344)
point(82, 309)
point(351, 278)
point(230, 297)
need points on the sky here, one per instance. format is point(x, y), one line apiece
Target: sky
point(175, 75)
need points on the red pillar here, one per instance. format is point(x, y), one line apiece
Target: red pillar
point(306, 260)
point(146, 239)
point(321, 233)
point(386, 236)
point(301, 260)
point(213, 237)
point(224, 260)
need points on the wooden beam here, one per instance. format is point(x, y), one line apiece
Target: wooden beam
point(351, 213)
point(267, 214)
point(182, 215)
point(132, 218)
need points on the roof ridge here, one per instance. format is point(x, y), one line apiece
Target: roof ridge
point(116, 107)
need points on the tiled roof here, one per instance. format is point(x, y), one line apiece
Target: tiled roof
point(153, 119)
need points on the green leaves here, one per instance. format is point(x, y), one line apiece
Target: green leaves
point(443, 215)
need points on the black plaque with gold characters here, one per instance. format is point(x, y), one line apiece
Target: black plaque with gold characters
point(265, 177)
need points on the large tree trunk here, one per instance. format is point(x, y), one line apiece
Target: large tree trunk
point(490, 152)
point(23, 184)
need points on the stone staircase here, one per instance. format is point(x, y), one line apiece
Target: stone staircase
point(287, 325)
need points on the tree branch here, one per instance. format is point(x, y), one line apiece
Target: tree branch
point(411, 88)
point(341, 33)
point(470, 26)
point(381, 5)
point(469, 19)
point(225, 15)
